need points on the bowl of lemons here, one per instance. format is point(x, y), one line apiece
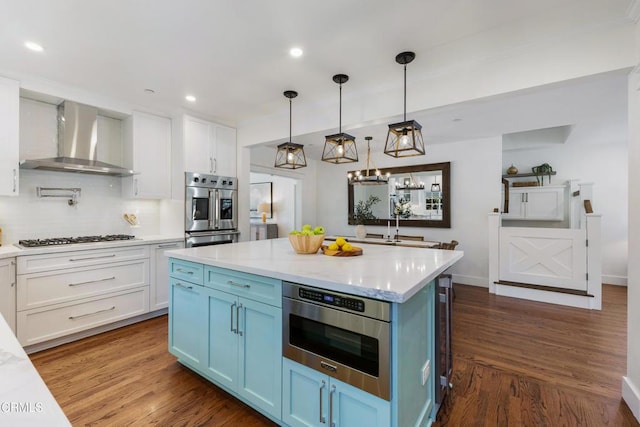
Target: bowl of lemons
point(308, 240)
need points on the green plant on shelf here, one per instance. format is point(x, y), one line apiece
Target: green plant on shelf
point(362, 211)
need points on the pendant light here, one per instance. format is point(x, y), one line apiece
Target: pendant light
point(290, 155)
point(405, 138)
point(368, 177)
point(341, 147)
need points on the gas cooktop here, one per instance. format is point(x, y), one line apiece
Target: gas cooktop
point(70, 240)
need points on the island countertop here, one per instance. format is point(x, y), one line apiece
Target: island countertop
point(388, 273)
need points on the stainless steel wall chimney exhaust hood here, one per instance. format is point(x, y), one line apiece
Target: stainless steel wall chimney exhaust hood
point(77, 144)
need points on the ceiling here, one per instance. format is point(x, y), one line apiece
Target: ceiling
point(233, 55)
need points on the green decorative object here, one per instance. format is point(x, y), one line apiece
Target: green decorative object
point(362, 211)
point(540, 171)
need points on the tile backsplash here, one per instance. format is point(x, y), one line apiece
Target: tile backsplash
point(99, 210)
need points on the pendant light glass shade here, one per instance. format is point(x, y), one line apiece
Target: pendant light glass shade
point(290, 155)
point(405, 138)
point(368, 176)
point(340, 147)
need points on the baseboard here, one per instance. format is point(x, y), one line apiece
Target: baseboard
point(614, 280)
point(631, 396)
point(578, 301)
point(482, 282)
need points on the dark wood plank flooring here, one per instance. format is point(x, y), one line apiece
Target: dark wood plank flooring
point(517, 363)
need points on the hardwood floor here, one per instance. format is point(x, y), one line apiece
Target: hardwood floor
point(517, 363)
point(524, 363)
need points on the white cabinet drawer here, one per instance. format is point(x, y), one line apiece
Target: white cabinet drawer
point(54, 287)
point(57, 261)
point(51, 322)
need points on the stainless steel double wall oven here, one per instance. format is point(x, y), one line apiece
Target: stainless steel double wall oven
point(211, 209)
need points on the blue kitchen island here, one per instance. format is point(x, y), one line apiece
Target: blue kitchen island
point(227, 321)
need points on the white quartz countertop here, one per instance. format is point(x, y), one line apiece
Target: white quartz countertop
point(25, 399)
point(389, 273)
point(11, 250)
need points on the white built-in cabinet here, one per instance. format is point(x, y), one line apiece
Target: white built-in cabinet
point(147, 150)
point(209, 147)
point(8, 291)
point(159, 270)
point(536, 203)
point(9, 136)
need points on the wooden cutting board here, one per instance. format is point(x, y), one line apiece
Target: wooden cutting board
point(354, 252)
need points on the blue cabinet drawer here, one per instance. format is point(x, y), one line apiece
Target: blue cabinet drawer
point(258, 288)
point(186, 270)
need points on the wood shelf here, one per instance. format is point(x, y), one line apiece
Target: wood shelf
point(524, 175)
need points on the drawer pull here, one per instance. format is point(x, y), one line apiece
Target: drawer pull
point(92, 257)
point(180, 285)
point(168, 245)
point(238, 285)
point(93, 281)
point(181, 270)
point(91, 314)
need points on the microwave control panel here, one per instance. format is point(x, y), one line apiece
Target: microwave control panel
point(352, 304)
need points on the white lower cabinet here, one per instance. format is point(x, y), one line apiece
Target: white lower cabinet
point(159, 270)
point(311, 398)
point(64, 293)
point(8, 291)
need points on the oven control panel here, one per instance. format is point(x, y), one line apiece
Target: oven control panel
point(353, 304)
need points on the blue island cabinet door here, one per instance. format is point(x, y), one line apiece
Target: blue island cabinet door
point(187, 322)
point(222, 355)
point(350, 406)
point(305, 397)
point(260, 368)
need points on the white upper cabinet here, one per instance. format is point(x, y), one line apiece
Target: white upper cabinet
point(147, 150)
point(9, 136)
point(536, 203)
point(208, 147)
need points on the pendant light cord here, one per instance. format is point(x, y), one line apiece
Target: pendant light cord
point(405, 93)
point(289, 119)
point(340, 121)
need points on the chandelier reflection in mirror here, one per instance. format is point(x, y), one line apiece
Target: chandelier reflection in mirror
point(368, 176)
point(405, 138)
point(341, 147)
point(290, 155)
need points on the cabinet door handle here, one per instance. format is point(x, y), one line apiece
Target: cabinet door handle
point(168, 245)
point(15, 180)
point(322, 418)
point(238, 285)
point(210, 164)
point(215, 165)
point(92, 257)
point(91, 314)
point(135, 186)
point(231, 318)
point(180, 285)
point(333, 390)
point(92, 281)
point(238, 308)
point(182, 270)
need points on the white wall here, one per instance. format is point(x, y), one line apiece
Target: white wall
point(603, 162)
point(631, 383)
point(475, 191)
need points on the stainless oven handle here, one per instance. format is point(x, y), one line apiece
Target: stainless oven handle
point(238, 308)
point(231, 318)
point(333, 390)
point(216, 216)
point(322, 418)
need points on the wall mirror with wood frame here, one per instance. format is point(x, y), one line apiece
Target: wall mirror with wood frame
point(419, 195)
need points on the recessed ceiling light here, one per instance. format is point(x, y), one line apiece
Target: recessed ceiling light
point(296, 52)
point(190, 98)
point(33, 46)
